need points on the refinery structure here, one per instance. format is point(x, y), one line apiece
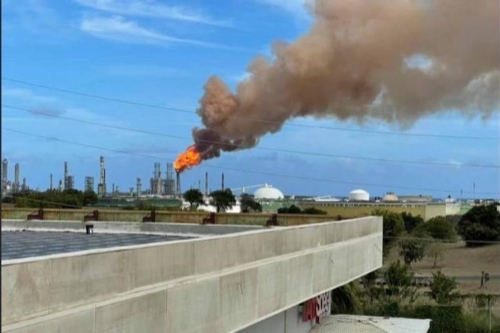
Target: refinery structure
point(165, 190)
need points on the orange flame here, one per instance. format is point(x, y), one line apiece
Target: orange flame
point(187, 159)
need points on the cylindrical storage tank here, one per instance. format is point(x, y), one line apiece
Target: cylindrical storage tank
point(359, 195)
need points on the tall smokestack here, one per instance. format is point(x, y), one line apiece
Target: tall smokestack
point(66, 175)
point(5, 171)
point(101, 187)
point(139, 187)
point(50, 184)
point(16, 177)
point(222, 181)
point(395, 61)
point(178, 184)
point(206, 184)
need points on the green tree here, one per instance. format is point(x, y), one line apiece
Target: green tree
point(393, 225)
point(248, 204)
point(194, 197)
point(439, 228)
point(222, 199)
point(435, 251)
point(411, 222)
point(413, 248)
point(481, 223)
point(442, 288)
point(89, 198)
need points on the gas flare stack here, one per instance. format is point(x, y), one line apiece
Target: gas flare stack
point(178, 183)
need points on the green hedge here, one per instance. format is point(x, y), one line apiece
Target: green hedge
point(444, 319)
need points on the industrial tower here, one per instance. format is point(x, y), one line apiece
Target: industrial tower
point(139, 187)
point(16, 184)
point(155, 182)
point(101, 188)
point(5, 171)
point(89, 184)
point(65, 177)
point(170, 182)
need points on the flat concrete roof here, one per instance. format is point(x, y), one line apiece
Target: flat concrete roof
point(21, 244)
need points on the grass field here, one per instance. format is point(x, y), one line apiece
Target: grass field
point(463, 263)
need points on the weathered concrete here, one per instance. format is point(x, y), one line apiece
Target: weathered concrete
point(142, 314)
point(134, 227)
point(219, 284)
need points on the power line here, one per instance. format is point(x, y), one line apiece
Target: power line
point(323, 180)
point(289, 151)
point(166, 108)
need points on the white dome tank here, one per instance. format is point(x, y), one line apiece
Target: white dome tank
point(268, 192)
point(359, 195)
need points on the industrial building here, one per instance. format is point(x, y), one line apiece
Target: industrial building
point(184, 278)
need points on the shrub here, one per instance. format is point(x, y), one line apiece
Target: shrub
point(481, 223)
point(442, 288)
point(313, 211)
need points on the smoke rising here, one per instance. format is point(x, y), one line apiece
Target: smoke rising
point(391, 60)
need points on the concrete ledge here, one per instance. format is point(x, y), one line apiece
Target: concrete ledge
point(237, 279)
point(134, 227)
point(226, 302)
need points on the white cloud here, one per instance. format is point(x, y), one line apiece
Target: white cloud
point(151, 9)
point(456, 164)
point(119, 29)
point(239, 78)
point(27, 95)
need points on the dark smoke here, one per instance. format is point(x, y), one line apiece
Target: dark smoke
point(353, 64)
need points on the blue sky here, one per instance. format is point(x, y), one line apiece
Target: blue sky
point(161, 53)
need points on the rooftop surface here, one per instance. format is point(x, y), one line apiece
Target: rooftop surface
point(28, 244)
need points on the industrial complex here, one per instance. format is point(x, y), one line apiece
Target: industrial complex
point(165, 191)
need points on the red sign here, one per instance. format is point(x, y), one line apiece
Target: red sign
point(317, 307)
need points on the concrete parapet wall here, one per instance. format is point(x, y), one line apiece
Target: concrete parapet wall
point(219, 284)
point(106, 215)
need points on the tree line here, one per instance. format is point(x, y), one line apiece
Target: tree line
point(52, 199)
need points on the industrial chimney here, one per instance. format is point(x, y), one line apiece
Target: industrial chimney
point(206, 184)
point(178, 184)
point(139, 187)
point(5, 170)
point(223, 181)
point(16, 177)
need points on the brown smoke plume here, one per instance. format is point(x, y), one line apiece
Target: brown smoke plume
point(353, 64)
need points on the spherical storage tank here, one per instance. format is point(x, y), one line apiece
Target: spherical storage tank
point(389, 197)
point(359, 195)
point(268, 192)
